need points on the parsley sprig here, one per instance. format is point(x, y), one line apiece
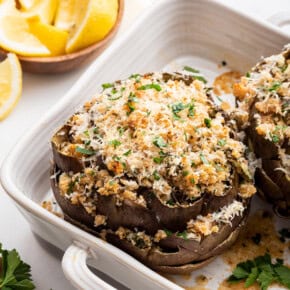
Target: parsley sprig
point(14, 273)
point(262, 271)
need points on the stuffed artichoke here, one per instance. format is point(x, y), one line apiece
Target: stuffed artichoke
point(264, 95)
point(154, 167)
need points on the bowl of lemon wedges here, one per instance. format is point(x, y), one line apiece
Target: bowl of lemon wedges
point(51, 36)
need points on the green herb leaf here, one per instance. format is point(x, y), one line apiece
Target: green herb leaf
point(134, 76)
point(158, 160)
point(121, 130)
point(14, 273)
point(185, 173)
point(191, 110)
point(275, 86)
point(283, 274)
point(168, 232)
point(170, 202)
point(115, 98)
point(156, 175)
point(190, 69)
point(252, 277)
point(127, 153)
point(159, 142)
point(200, 78)
point(107, 85)
point(263, 271)
point(115, 143)
point(275, 138)
point(156, 87)
point(222, 142)
point(284, 67)
point(85, 151)
point(192, 180)
point(207, 122)
point(248, 75)
point(203, 158)
point(182, 235)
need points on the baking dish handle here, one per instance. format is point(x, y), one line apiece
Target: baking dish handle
point(280, 19)
point(76, 270)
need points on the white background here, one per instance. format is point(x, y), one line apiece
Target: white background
point(40, 93)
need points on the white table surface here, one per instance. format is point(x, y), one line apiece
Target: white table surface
point(40, 93)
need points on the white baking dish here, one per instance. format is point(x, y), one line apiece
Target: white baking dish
point(200, 33)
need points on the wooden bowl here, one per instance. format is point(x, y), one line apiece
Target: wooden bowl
point(67, 62)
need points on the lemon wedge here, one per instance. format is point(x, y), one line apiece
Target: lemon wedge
point(93, 19)
point(52, 37)
point(15, 35)
point(65, 14)
point(45, 9)
point(10, 84)
point(26, 4)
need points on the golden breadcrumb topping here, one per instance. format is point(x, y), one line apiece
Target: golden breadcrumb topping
point(159, 131)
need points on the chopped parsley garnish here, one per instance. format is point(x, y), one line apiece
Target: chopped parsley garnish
point(136, 77)
point(248, 75)
point(222, 142)
point(207, 122)
point(158, 160)
point(284, 67)
point(190, 69)
point(14, 273)
point(185, 173)
point(177, 108)
point(127, 153)
point(148, 113)
point(159, 142)
point(275, 138)
point(274, 87)
point(115, 143)
point(168, 232)
point(203, 159)
point(192, 180)
point(107, 85)
point(131, 99)
point(182, 235)
point(262, 271)
point(71, 186)
point(200, 78)
point(87, 142)
point(86, 133)
point(257, 238)
point(121, 130)
point(191, 110)
point(170, 202)
point(115, 98)
point(116, 158)
point(156, 175)
point(156, 87)
point(85, 151)
point(96, 130)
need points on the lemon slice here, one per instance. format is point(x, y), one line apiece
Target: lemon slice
point(93, 20)
point(52, 37)
point(45, 9)
point(15, 35)
point(10, 84)
point(65, 14)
